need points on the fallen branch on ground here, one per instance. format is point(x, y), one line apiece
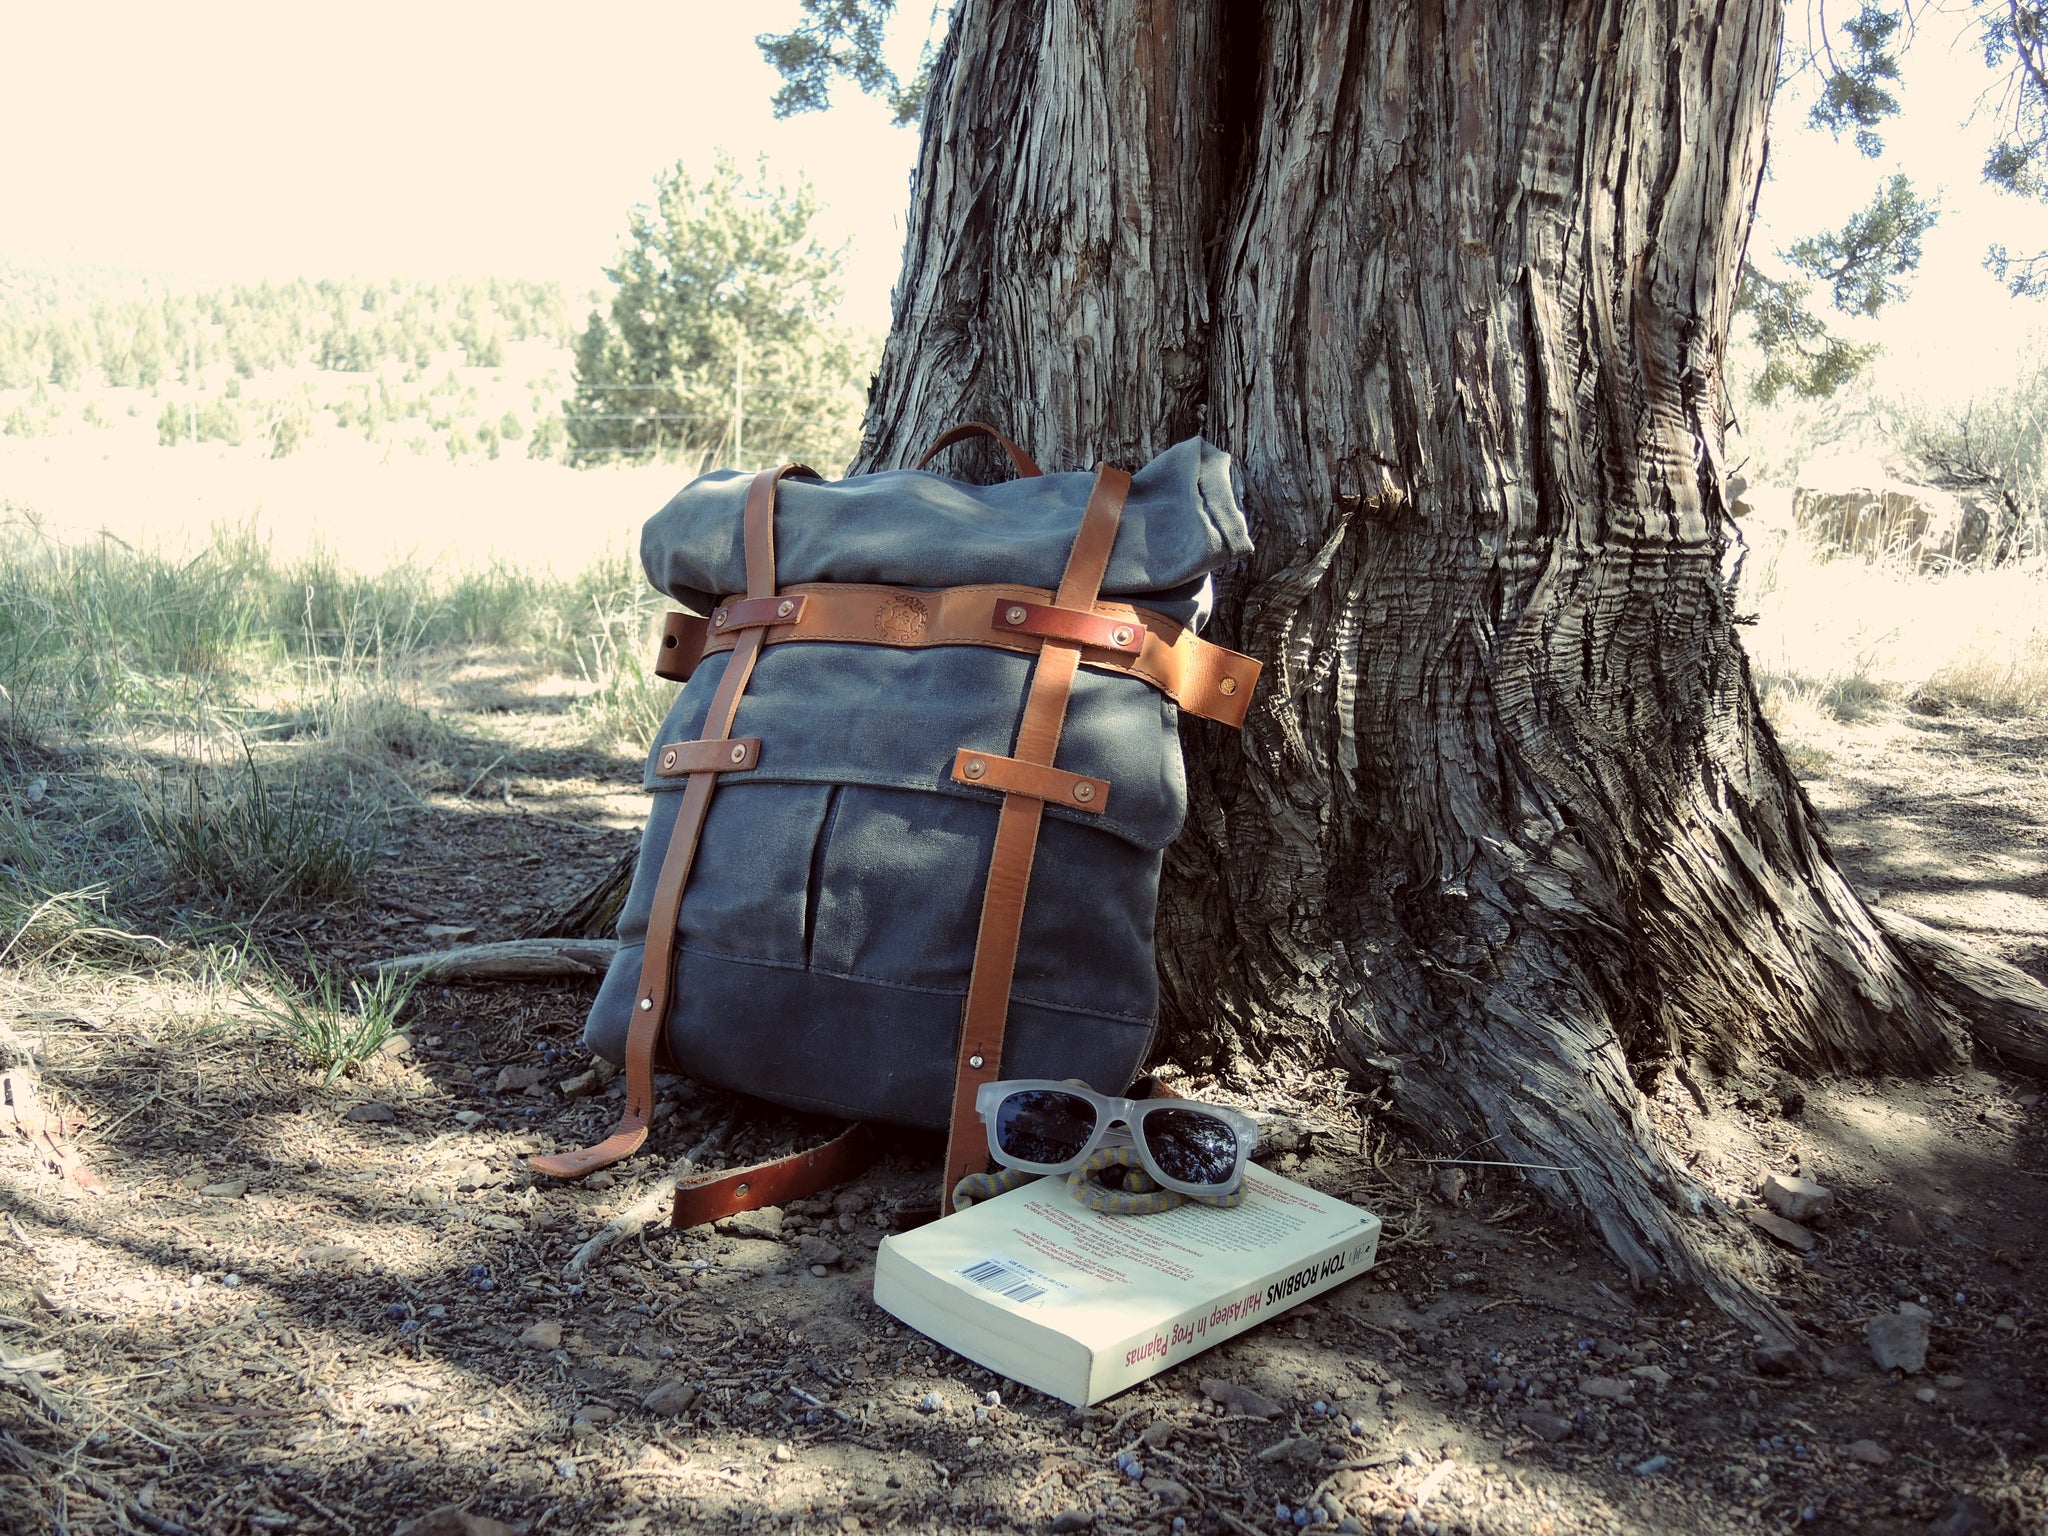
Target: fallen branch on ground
point(511, 960)
point(652, 1206)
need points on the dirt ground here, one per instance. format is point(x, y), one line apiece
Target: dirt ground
point(329, 1310)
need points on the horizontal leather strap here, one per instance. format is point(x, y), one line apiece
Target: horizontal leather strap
point(1203, 679)
point(682, 646)
point(773, 1183)
point(755, 613)
point(736, 755)
point(1124, 636)
point(1055, 786)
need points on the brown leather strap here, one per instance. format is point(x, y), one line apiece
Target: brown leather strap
point(1026, 467)
point(657, 964)
point(681, 757)
point(1088, 630)
point(1055, 786)
point(682, 646)
point(773, 1182)
point(986, 1015)
point(1202, 678)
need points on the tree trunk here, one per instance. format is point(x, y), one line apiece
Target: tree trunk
point(1506, 831)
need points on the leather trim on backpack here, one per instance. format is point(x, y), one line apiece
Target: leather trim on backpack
point(986, 1014)
point(657, 967)
point(1201, 677)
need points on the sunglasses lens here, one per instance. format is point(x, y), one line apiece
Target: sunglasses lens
point(1040, 1125)
point(1191, 1146)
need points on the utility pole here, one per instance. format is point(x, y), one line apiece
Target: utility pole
point(739, 405)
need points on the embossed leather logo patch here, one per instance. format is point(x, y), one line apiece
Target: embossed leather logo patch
point(903, 619)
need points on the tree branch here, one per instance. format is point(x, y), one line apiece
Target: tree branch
point(511, 960)
point(2006, 1008)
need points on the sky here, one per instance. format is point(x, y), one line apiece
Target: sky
point(219, 141)
point(237, 140)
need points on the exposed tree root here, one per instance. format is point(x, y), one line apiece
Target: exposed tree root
point(2006, 1008)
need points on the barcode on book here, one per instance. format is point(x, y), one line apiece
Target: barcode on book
point(1010, 1280)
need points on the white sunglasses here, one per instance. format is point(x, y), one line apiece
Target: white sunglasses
point(1036, 1125)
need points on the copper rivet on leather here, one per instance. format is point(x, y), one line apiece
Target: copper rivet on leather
point(785, 609)
point(718, 618)
point(739, 754)
point(975, 768)
point(1015, 615)
point(974, 1061)
point(1084, 792)
point(1121, 635)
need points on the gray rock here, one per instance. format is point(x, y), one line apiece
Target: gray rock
point(1071, 1520)
point(1236, 1399)
point(670, 1400)
point(581, 1086)
point(371, 1113)
point(1965, 1517)
point(817, 1250)
point(546, 1335)
point(764, 1223)
point(1605, 1388)
point(1869, 1452)
point(1898, 1341)
point(1171, 1495)
point(1547, 1426)
point(519, 1079)
point(1797, 1199)
point(1776, 1360)
point(1786, 1231)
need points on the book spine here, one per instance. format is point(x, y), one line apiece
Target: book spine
point(1202, 1327)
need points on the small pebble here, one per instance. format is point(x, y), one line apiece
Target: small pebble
point(931, 1402)
point(232, 1282)
point(1653, 1466)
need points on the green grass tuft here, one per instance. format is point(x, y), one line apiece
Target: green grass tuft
point(332, 1024)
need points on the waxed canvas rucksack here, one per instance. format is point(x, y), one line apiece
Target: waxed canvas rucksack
point(910, 807)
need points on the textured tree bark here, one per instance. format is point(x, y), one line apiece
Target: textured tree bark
point(1506, 832)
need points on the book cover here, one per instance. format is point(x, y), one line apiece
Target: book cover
point(1038, 1287)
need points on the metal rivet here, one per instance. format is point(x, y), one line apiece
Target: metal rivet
point(1228, 686)
point(975, 768)
point(739, 754)
point(741, 1189)
point(1121, 635)
point(668, 758)
point(784, 610)
point(646, 1005)
point(718, 619)
point(1016, 615)
point(1084, 792)
point(974, 1061)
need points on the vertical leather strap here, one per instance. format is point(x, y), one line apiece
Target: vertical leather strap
point(987, 1011)
point(651, 1003)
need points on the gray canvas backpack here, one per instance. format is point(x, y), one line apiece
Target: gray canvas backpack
point(910, 807)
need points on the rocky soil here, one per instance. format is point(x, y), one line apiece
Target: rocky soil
point(296, 1307)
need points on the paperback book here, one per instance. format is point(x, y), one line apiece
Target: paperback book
point(1080, 1305)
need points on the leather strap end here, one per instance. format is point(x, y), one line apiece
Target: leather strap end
point(615, 1148)
point(771, 1183)
point(682, 646)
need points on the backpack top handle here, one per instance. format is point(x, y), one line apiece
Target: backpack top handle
point(1027, 467)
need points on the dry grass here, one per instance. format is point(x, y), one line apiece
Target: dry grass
point(1834, 635)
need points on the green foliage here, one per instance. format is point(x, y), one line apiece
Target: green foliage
point(1800, 353)
point(333, 1025)
point(1855, 93)
point(719, 279)
point(50, 331)
point(844, 37)
point(1863, 262)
